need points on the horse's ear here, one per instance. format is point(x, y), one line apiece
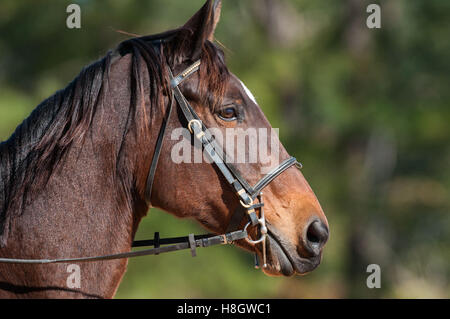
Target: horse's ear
point(202, 26)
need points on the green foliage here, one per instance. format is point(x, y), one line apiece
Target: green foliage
point(366, 111)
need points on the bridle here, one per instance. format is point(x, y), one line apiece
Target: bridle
point(246, 193)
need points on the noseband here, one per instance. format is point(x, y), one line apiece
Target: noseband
point(246, 194)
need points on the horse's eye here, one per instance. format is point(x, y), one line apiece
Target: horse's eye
point(228, 114)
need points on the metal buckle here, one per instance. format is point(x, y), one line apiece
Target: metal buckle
point(247, 205)
point(192, 122)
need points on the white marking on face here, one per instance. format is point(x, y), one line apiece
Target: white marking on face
point(247, 91)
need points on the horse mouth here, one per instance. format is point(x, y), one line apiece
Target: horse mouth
point(284, 259)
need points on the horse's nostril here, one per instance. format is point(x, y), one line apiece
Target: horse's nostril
point(312, 235)
point(316, 237)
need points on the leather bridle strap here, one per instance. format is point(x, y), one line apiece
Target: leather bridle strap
point(173, 244)
point(157, 153)
point(274, 173)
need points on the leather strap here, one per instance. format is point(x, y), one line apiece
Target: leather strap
point(160, 141)
point(263, 182)
point(174, 82)
point(157, 153)
point(191, 242)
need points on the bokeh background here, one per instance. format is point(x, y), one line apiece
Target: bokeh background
point(365, 110)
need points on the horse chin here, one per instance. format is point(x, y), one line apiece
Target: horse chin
point(278, 262)
point(284, 260)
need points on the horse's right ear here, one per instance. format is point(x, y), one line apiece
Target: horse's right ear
point(202, 26)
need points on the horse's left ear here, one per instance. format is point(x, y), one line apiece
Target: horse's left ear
point(202, 25)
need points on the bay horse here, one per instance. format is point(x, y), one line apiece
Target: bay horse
point(74, 175)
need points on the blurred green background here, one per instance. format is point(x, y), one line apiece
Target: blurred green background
point(365, 110)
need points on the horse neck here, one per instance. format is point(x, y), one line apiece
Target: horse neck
point(90, 205)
